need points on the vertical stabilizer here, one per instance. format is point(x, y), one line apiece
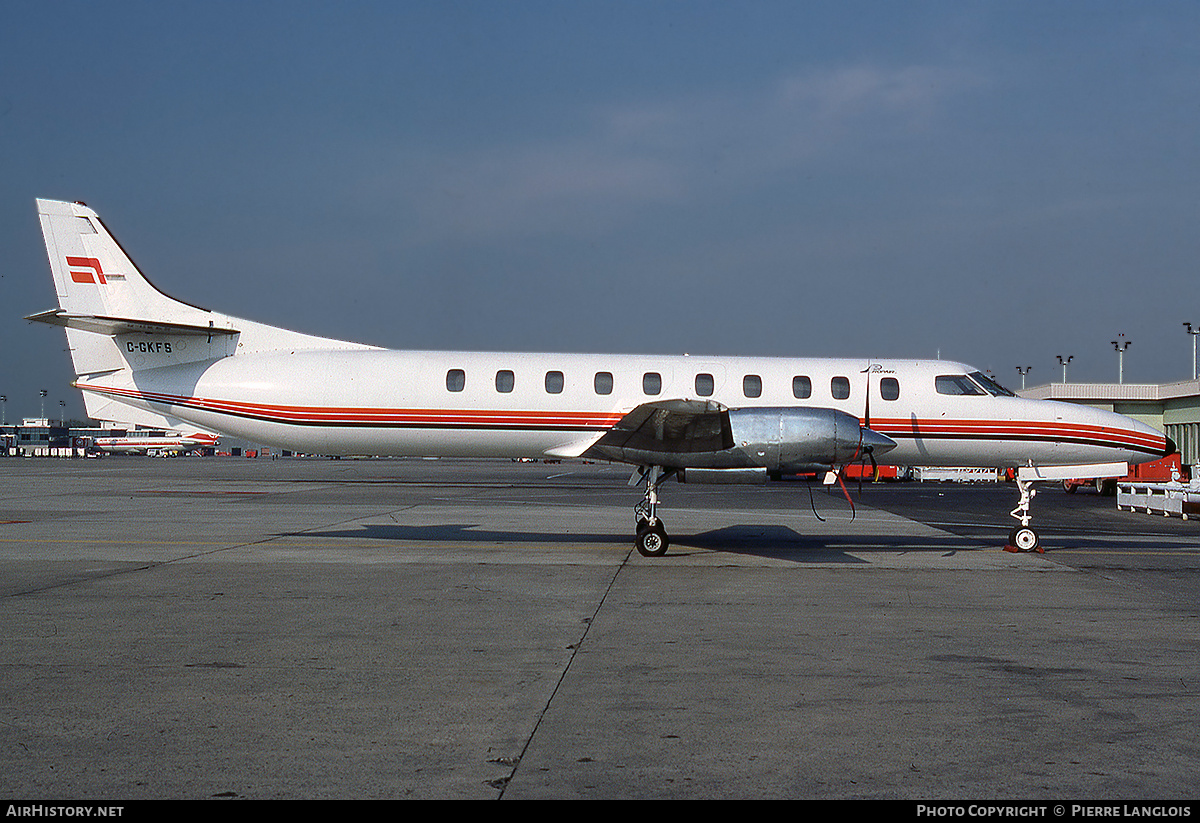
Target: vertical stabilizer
point(116, 319)
point(95, 277)
point(118, 324)
point(97, 283)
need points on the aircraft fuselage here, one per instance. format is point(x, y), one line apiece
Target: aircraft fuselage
point(476, 404)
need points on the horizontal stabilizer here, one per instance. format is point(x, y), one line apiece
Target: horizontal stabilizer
point(123, 325)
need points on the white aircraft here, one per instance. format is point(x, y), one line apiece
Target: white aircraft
point(146, 358)
point(143, 441)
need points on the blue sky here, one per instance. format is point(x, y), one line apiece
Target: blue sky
point(998, 182)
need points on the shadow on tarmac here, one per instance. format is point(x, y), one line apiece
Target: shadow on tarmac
point(774, 542)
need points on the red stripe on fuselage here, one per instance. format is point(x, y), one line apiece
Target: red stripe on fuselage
point(1020, 430)
point(377, 417)
point(904, 428)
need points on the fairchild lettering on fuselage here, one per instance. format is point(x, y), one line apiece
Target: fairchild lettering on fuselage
point(143, 357)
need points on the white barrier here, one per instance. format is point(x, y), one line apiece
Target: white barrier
point(941, 474)
point(1168, 499)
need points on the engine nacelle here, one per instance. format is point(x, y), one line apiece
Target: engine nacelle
point(787, 439)
point(691, 434)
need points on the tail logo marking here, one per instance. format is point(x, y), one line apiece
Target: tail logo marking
point(86, 270)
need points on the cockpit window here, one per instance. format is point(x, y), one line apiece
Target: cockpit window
point(955, 384)
point(993, 388)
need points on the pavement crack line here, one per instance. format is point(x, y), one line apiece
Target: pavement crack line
point(138, 568)
point(142, 567)
point(503, 785)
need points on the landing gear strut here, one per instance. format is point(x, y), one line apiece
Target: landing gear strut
point(1023, 538)
point(651, 539)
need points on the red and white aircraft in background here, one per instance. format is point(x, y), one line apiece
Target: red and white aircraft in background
point(143, 357)
point(160, 441)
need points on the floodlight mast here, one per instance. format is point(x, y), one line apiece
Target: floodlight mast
point(1064, 363)
point(1121, 344)
point(1193, 333)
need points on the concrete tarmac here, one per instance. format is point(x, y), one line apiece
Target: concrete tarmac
point(232, 628)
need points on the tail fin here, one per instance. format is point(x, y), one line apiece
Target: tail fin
point(118, 322)
point(102, 294)
point(95, 277)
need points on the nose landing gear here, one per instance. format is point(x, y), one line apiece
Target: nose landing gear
point(1023, 538)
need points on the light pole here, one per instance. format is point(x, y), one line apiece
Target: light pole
point(1064, 363)
point(1121, 344)
point(43, 393)
point(62, 413)
point(1193, 333)
point(1024, 372)
point(3, 409)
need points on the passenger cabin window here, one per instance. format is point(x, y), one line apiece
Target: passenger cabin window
point(840, 388)
point(456, 380)
point(752, 385)
point(801, 387)
point(505, 381)
point(652, 382)
point(554, 382)
point(955, 384)
point(704, 385)
point(604, 382)
point(889, 388)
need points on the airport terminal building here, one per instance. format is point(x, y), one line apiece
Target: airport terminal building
point(41, 437)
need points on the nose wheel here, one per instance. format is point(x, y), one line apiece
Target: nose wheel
point(1024, 539)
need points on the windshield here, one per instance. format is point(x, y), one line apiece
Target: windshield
point(993, 388)
point(955, 384)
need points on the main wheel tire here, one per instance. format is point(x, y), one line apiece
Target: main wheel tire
point(1024, 539)
point(652, 541)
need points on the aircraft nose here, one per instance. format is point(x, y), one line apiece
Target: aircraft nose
point(1170, 448)
point(876, 443)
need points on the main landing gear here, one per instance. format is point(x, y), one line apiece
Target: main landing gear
point(651, 539)
point(1023, 538)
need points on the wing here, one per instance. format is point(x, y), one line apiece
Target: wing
point(670, 433)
